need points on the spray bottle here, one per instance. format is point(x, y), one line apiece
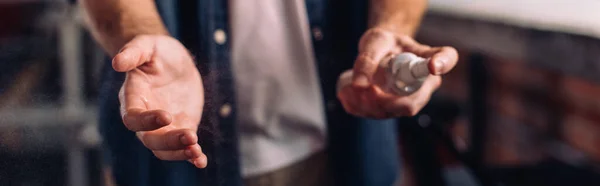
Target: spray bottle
point(404, 74)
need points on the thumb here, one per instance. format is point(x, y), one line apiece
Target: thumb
point(134, 54)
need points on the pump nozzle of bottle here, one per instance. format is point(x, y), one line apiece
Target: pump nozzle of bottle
point(404, 74)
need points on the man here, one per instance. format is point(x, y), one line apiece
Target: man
point(261, 107)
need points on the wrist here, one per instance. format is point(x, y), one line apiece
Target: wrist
point(117, 42)
point(399, 16)
point(113, 35)
point(391, 27)
point(396, 26)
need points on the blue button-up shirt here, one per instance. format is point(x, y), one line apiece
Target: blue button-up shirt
point(363, 152)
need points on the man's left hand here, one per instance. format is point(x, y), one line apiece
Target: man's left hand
point(364, 97)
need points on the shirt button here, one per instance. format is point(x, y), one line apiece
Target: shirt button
point(317, 33)
point(225, 110)
point(220, 36)
point(424, 120)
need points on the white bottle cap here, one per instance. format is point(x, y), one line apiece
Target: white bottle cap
point(407, 72)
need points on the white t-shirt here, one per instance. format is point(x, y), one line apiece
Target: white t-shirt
point(280, 109)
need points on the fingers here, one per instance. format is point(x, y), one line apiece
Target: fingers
point(171, 140)
point(174, 145)
point(365, 99)
point(191, 152)
point(137, 119)
point(362, 103)
point(376, 104)
point(133, 54)
point(349, 101)
point(442, 59)
point(373, 47)
point(200, 162)
point(410, 106)
point(134, 111)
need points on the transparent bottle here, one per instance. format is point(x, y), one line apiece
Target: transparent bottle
point(403, 74)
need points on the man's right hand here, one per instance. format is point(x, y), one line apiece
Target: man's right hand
point(162, 97)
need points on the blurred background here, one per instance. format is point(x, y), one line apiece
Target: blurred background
point(521, 108)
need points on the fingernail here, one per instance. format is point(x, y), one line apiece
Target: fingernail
point(361, 80)
point(194, 162)
point(202, 162)
point(438, 66)
point(158, 121)
point(121, 50)
point(150, 118)
point(188, 153)
point(183, 139)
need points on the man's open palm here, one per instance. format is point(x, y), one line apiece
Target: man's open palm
point(162, 97)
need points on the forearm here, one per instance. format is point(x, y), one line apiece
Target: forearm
point(115, 22)
point(399, 16)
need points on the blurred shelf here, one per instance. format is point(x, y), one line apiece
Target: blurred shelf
point(49, 128)
point(45, 116)
point(69, 126)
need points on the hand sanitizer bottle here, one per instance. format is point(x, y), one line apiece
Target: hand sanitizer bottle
point(404, 74)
